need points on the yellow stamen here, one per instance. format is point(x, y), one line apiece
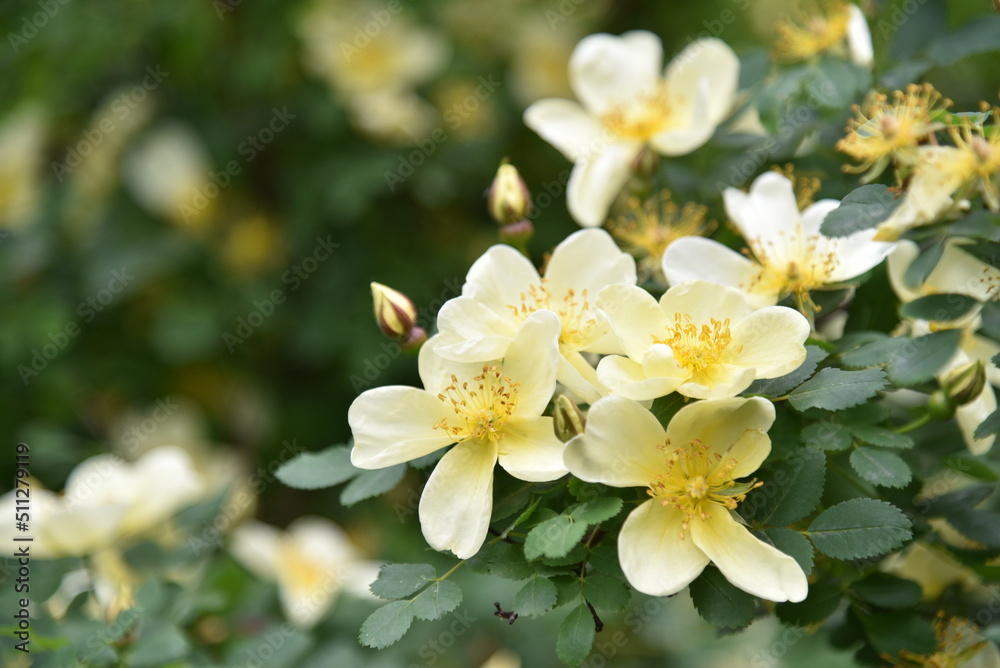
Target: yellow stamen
point(698, 348)
point(574, 313)
point(641, 117)
point(482, 410)
point(815, 29)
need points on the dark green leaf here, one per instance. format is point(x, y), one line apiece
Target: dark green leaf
point(980, 35)
point(372, 483)
point(941, 307)
point(776, 387)
point(987, 251)
point(838, 82)
point(399, 580)
point(606, 592)
point(835, 389)
point(893, 632)
point(585, 491)
point(316, 470)
point(792, 489)
point(972, 468)
point(821, 601)
point(509, 495)
point(873, 353)
point(923, 265)
point(861, 209)
point(958, 501)
point(554, 537)
point(867, 414)
point(157, 645)
point(981, 526)
point(538, 595)
point(576, 636)
point(604, 558)
point(664, 408)
point(828, 436)
point(887, 591)
point(386, 625)
point(859, 528)
point(881, 467)
point(502, 560)
point(597, 510)
point(720, 602)
point(441, 597)
point(793, 544)
point(577, 554)
point(989, 426)
point(880, 436)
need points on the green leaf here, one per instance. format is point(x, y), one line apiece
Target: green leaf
point(776, 387)
point(792, 489)
point(881, 467)
point(973, 468)
point(989, 426)
point(604, 558)
point(880, 436)
point(372, 483)
point(941, 307)
point(576, 636)
point(554, 537)
point(523, 517)
point(720, 602)
point(441, 597)
point(597, 511)
point(157, 645)
point(585, 491)
point(838, 82)
point(829, 436)
point(987, 251)
point(399, 580)
point(576, 554)
point(509, 495)
point(874, 352)
point(861, 209)
point(386, 625)
point(922, 358)
point(821, 602)
point(664, 408)
point(981, 526)
point(793, 544)
point(502, 560)
point(606, 592)
point(893, 632)
point(835, 389)
point(867, 414)
point(859, 529)
point(979, 35)
point(538, 595)
point(887, 591)
point(954, 502)
point(921, 268)
point(316, 470)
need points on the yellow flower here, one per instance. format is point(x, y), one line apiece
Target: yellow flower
point(824, 27)
point(690, 471)
point(22, 139)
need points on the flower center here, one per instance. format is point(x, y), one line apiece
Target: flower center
point(481, 410)
point(698, 348)
point(641, 117)
point(694, 476)
point(574, 313)
point(300, 572)
point(793, 264)
point(812, 33)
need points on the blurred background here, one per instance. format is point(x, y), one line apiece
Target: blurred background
point(195, 196)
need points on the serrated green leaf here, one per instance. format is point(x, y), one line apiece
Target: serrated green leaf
point(793, 544)
point(873, 353)
point(881, 467)
point(887, 591)
point(372, 483)
point(821, 602)
point(835, 389)
point(664, 408)
point(316, 470)
point(576, 554)
point(553, 538)
point(604, 558)
point(776, 387)
point(386, 625)
point(829, 436)
point(880, 436)
point(989, 426)
point(940, 307)
point(923, 358)
point(861, 209)
point(923, 265)
point(576, 636)
point(569, 589)
point(859, 529)
point(952, 502)
point(893, 632)
point(981, 526)
point(523, 517)
point(597, 510)
point(509, 495)
point(502, 560)
point(439, 598)
point(606, 593)
point(585, 491)
point(867, 414)
point(792, 489)
point(399, 580)
point(538, 595)
point(719, 602)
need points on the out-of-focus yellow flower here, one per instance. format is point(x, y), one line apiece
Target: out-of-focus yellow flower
point(959, 645)
point(252, 244)
point(980, 147)
point(826, 26)
point(502, 658)
point(883, 131)
point(22, 139)
point(647, 228)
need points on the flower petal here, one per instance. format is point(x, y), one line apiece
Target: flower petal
point(322, 540)
point(859, 37)
point(395, 424)
point(255, 545)
point(457, 500)
point(565, 125)
point(898, 263)
point(858, 253)
point(470, 332)
point(768, 213)
point(605, 70)
point(703, 302)
point(972, 414)
point(618, 446)
point(500, 278)
point(597, 179)
point(576, 374)
point(771, 340)
point(700, 259)
point(717, 382)
point(586, 262)
point(633, 315)
point(748, 563)
point(530, 450)
point(706, 63)
point(653, 557)
point(532, 361)
point(721, 423)
point(626, 378)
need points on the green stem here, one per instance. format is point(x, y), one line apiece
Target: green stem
point(915, 424)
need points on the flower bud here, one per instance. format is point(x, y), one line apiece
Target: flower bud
point(394, 312)
point(939, 406)
point(966, 383)
point(569, 419)
point(517, 234)
point(509, 198)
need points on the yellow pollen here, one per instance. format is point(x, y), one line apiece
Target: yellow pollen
point(694, 475)
point(482, 405)
point(698, 348)
point(980, 147)
point(573, 310)
point(816, 29)
point(641, 117)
